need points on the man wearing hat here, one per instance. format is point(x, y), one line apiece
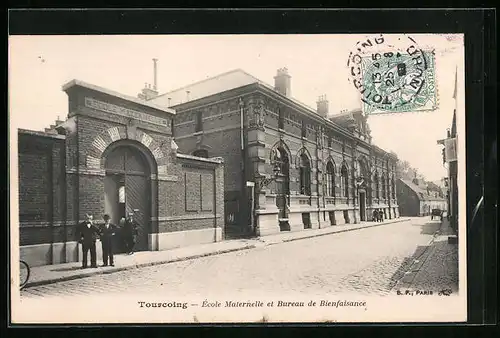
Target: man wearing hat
point(89, 233)
point(130, 232)
point(108, 231)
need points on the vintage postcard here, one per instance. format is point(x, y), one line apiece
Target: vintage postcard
point(237, 178)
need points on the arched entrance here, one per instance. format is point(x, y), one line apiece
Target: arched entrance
point(127, 188)
point(362, 184)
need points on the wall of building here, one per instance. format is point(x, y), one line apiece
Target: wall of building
point(219, 136)
point(42, 202)
point(408, 201)
point(264, 134)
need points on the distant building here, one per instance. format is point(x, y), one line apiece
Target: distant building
point(415, 199)
point(450, 158)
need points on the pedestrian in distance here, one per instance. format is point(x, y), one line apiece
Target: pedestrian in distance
point(89, 234)
point(380, 215)
point(108, 231)
point(375, 215)
point(130, 232)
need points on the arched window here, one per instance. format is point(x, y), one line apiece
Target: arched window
point(330, 179)
point(344, 181)
point(305, 175)
point(199, 121)
point(377, 187)
point(281, 119)
point(384, 187)
point(201, 153)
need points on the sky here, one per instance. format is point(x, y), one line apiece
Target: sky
point(40, 65)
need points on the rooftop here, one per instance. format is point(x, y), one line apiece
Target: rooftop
point(422, 193)
point(223, 82)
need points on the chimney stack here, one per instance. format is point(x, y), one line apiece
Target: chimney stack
point(282, 83)
point(322, 106)
point(149, 92)
point(155, 74)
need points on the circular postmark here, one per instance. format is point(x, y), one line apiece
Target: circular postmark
point(393, 74)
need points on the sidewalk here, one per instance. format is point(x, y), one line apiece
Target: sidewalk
point(437, 268)
point(49, 274)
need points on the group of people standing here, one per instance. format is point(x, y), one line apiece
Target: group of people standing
point(90, 233)
point(378, 215)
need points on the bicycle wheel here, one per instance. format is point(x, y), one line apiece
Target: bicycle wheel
point(24, 273)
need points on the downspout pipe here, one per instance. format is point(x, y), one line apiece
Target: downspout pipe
point(243, 172)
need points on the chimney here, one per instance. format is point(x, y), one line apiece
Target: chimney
point(155, 74)
point(282, 83)
point(415, 179)
point(322, 106)
point(149, 92)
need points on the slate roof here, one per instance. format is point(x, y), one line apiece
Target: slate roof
point(421, 193)
point(220, 83)
point(213, 85)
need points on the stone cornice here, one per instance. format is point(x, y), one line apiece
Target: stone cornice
point(79, 83)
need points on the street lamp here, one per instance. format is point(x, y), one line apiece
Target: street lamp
point(263, 181)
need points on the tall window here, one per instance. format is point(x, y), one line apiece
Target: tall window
point(393, 188)
point(281, 119)
point(384, 187)
point(344, 180)
point(201, 153)
point(329, 142)
point(303, 132)
point(305, 175)
point(376, 182)
point(199, 121)
point(330, 179)
point(279, 158)
point(121, 194)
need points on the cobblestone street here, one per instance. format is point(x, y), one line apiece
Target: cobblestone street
point(366, 261)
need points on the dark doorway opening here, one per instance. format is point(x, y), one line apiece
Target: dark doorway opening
point(127, 188)
point(362, 205)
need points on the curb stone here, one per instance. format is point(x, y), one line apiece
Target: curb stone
point(345, 230)
point(407, 281)
point(130, 267)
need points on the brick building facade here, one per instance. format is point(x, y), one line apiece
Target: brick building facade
point(113, 155)
point(287, 166)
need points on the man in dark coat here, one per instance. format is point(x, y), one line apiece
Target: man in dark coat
point(89, 233)
point(380, 215)
point(108, 231)
point(375, 215)
point(130, 232)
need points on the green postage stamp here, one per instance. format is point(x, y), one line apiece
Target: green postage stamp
point(394, 80)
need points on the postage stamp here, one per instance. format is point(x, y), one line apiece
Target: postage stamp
point(394, 76)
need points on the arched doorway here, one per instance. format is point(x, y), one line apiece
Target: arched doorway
point(127, 188)
point(361, 178)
